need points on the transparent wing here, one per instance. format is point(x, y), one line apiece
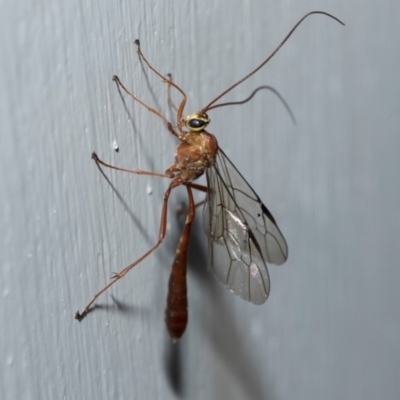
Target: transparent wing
point(242, 233)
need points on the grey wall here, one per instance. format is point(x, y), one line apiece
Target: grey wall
point(330, 328)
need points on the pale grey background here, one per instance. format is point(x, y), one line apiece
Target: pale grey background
point(330, 329)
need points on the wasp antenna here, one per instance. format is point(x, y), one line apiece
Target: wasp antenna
point(207, 107)
point(267, 87)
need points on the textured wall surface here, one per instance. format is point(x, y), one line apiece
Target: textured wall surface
point(330, 329)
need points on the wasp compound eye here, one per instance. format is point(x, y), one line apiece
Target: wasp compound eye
point(196, 123)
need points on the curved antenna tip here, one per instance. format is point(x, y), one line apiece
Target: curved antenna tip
point(137, 42)
point(207, 107)
point(327, 14)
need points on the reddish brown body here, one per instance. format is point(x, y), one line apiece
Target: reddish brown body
point(176, 312)
point(196, 152)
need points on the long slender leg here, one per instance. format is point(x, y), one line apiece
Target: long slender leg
point(184, 210)
point(176, 312)
point(116, 277)
point(166, 80)
point(170, 101)
point(137, 172)
point(152, 110)
point(202, 188)
point(196, 186)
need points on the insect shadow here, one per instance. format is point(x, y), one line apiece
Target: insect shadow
point(131, 215)
point(118, 305)
point(140, 143)
point(239, 361)
point(223, 330)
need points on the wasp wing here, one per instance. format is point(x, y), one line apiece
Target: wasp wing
point(243, 234)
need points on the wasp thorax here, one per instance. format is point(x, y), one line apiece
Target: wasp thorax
point(197, 122)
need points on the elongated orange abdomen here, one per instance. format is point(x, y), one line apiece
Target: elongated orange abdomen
point(176, 313)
